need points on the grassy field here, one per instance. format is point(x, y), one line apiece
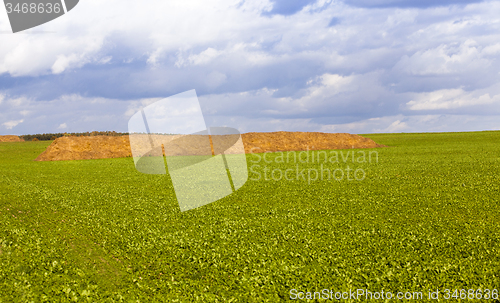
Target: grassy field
point(425, 217)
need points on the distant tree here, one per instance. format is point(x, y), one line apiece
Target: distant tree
point(47, 137)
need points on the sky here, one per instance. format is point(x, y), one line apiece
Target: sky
point(355, 66)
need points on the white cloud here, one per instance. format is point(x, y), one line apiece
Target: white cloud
point(242, 54)
point(40, 54)
point(105, 60)
point(418, 123)
point(155, 56)
point(446, 59)
point(12, 124)
point(401, 16)
point(237, 33)
point(491, 50)
point(18, 102)
point(202, 58)
point(450, 99)
point(134, 106)
point(63, 62)
point(63, 126)
point(396, 126)
point(156, 28)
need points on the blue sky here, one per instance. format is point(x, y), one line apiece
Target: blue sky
point(354, 66)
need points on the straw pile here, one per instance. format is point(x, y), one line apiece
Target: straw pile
point(102, 147)
point(10, 139)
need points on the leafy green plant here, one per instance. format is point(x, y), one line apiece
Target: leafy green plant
point(425, 217)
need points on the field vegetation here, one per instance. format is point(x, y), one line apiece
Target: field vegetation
point(425, 217)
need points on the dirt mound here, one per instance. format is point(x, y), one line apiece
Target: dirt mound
point(11, 139)
point(297, 141)
point(102, 147)
point(82, 148)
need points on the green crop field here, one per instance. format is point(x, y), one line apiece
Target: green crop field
point(425, 216)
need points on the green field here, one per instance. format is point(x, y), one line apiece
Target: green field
point(426, 216)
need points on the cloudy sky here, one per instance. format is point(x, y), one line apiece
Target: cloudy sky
point(357, 66)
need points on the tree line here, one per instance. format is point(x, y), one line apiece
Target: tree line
point(48, 137)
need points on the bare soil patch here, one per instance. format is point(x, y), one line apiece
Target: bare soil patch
point(10, 138)
point(102, 147)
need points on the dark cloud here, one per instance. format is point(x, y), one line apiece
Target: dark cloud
point(139, 80)
point(407, 3)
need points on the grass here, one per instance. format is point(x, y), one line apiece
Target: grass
point(425, 217)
